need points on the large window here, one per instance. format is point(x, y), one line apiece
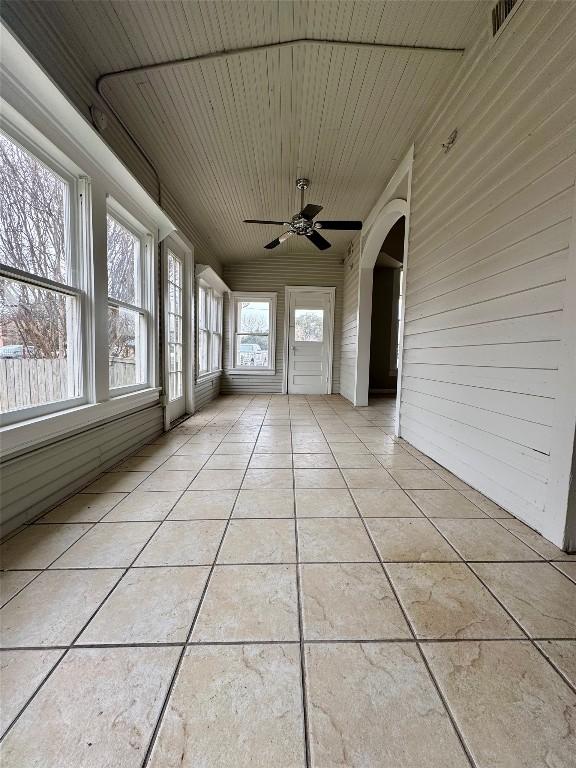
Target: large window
point(253, 330)
point(41, 366)
point(209, 326)
point(128, 318)
point(175, 328)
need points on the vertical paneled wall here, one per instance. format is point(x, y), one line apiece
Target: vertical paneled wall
point(488, 247)
point(274, 273)
point(349, 341)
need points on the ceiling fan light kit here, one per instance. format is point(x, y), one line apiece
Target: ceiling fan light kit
point(302, 223)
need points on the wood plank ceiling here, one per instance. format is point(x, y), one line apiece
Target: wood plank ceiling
point(230, 135)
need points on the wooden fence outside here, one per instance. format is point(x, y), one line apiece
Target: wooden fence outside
point(26, 383)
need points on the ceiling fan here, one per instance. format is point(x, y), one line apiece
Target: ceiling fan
point(302, 223)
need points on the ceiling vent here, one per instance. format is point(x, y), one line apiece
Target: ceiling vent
point(501, 14)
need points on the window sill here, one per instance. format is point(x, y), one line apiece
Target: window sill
point(251, 371)
point(17, 438)
point(208, 376)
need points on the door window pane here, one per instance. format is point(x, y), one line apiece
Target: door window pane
point(253, 317)
point(308, 324)
point(126, 337)
point(38, 360)
point(175, 340)
point(123, 258)
point(34, 221)
point(252, 351)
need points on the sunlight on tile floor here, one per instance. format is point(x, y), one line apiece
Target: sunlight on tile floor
point(279, 582)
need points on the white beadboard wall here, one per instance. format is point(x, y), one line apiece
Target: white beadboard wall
point(487, 262)
point(274, 273)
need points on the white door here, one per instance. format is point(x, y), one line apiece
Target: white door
point(176, 325)
point(311, 319)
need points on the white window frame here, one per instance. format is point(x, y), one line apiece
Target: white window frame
point(212, 327)
point(79, 268)
point(235, 298)
point(145, 285)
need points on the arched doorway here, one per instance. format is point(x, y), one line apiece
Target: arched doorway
point(371, 247)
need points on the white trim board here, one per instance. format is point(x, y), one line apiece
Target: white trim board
point(288, 291)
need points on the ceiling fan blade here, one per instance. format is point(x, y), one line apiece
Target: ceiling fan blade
point(310, 210)
point(338, 224)
point(319, 241)
point(276, 242)
point(261, 221)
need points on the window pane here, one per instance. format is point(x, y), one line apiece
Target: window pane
point(33, 222)
point(201, 307)
point(308, 324)
point(252, 351)
point(123, 256)
point(216, 346)
point(253, 317)
point(127, 345)
point(174, 269)
point(38, 346)
point(203, 351)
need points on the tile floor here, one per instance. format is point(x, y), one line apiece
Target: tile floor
point(279, 582)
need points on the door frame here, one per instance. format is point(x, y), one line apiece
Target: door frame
point(184, 250)
point(289, 290)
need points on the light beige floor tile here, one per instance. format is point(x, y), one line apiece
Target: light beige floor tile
point(83, 508)
point(357, 461)
point(153, 450)
point(169, 480)
point(445, 504)
point(11, 582)
point(106, 721)
point(192, 542)
point(486, 505)
point(562, 653)
point(54, 607)
point(535, 541)
point(265, 503)
point(373, 705)
point(227, 461)
point(418, 479)
point(271, 461)
point(234, 706)
point(569, 569)
point(273, 446)
point(512, 708)
point(374, 502)
point(369, 478)
point(446, 601)
point(347, 450)
point(325, 502)
point(198, 505)
point(200, 452)
point(186, 463)
point(409, 540)
point(38, 545)
point(349, 601)
point(267, 479)
point(140, 463)
point(310, 446)
point(107, 545)
point(143, 506)
point(249, 603)
point(239, 449)
point(259, 541)
point(540, 598)
point(399, 461)
point(21, 673)
point(452, 480)
point(334, 540)
point(318, 478)
point(314, 461)
point(114, 482)
point(149, 605)
point(217, 480)
point(484, 540)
